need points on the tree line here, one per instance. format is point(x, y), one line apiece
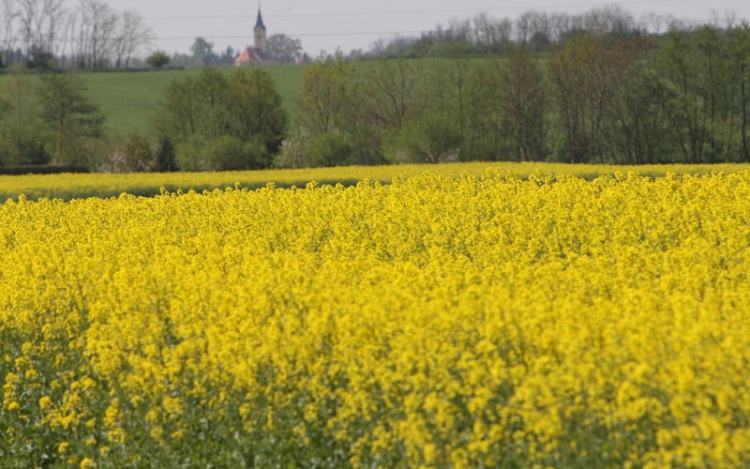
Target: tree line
point(48, 122)
point(601, 91)
point(683, 97)
point(41, 34)
point(485, 34)
point(217, 120)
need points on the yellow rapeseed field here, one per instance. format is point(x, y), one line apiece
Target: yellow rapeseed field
point(69, 186)
point(435, 322)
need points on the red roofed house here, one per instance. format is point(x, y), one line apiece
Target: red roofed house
point(254, 55)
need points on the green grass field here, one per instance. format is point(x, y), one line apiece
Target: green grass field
point(130, 99)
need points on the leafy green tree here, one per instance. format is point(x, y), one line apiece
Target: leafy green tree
point(229, 153)
point(702, 78)
point(242, 104)
point(224, 153)
point(165, 156)
point(202, 51)
point(640, 132)
point(282, 48)
point(585, 74)
point(22, 135)
point(432, 138)
point(453, 88)
point(329, 96)
point(70, 115)
point(330, 149)
point(332, 100)
point(391, 93)
point(394, 92)
point(255, 110)
point(158, 59)
point(189, 154)
point(739, 55)
point(522, 97)
point(195, 106)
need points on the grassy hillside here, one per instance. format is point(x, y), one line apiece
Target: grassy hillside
point(129, 99)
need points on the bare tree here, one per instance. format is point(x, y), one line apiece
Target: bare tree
point(282, 48)
point(459, 30)
point(523, 28)
point(393, 92)
point(39, 25)
point(559, 25)
point(484, 29)
point(132, 34)
point(519, 90)
point(9, 14)
point(52, 23)
point(492, 33)
point(28, 13)
point(97, 24)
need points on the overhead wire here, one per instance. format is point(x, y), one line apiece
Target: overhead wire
point(413, 11)
point(402, 12)
point(401, 32)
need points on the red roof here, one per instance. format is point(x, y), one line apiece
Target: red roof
point(249, 56)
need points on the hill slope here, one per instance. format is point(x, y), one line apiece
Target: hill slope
point(130, 99)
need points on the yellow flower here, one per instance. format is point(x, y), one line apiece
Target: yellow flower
point(465, 321)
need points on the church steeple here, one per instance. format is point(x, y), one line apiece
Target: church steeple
point(260, 32)
point(259, 21)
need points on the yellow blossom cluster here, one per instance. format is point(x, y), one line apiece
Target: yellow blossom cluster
point(70, 186)
point(434, 322)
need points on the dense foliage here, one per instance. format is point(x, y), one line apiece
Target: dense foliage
point(51, 122)
point(434, 322)
point(616, 95)
point(223, 121)
point(683, 97)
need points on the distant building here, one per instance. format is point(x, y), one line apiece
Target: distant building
point(255, 55)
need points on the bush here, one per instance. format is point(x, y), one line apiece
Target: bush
point(22, 144)
point(295, 151)
point(431, 138)
point(131, 155)
point(158, 59)
point(189, 154)
point(225, 153)
point(228, 153)
point(224, 121)
point(330, 149)
point(165, 156)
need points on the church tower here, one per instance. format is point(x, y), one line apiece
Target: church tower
point(260, 32)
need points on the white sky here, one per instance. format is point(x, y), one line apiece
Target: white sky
point(328, 24)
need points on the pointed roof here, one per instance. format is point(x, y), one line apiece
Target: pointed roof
point(259, 21)
point(250, 56)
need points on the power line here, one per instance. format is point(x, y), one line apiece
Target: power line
point(245, 36)
point(413, 12)
point(399, 32)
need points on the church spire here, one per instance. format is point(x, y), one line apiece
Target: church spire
point(260, 31)
point(259, 21)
